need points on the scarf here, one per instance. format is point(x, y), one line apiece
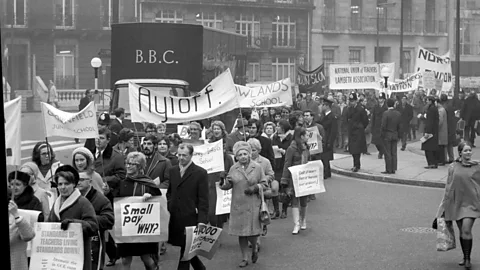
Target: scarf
point(183, 169)
point(57, 209)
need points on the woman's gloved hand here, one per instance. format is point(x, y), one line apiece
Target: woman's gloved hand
point(251, 190)
point(65, 223)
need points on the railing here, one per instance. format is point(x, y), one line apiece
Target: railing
point(369, 25)
point(68, 99)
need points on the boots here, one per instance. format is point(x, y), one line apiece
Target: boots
point(296, 220)
point(303, 218)
point(467, 249)
point(462, 244)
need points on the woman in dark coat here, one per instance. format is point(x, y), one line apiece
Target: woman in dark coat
point(461, 202)
point(431, 131)
point(452, 128)
point(23, 193)
point(357, 120)
point(138, 184)
point(72, 207)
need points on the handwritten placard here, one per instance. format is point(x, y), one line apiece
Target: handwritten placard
point(224, 201)
point(209, 156)
point(314, 140)
point(56, 249)
point(308, 178)
point(276, 151)
point(201, 242)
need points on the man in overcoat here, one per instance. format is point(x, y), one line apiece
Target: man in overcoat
point(390, 133)
point(377, 114)
point(187, 198)
point(470, 112)
point(406, 112)
point(430, 146)
point(330, 125)
point(357, 121)
point(452, 128)
point(117, 124)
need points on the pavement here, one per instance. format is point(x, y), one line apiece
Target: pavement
point(411, 171)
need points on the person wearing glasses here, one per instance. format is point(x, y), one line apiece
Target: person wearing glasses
point(44, 157)
point(137, 183)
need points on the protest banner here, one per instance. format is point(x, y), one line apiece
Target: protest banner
point(276, 151)
point(440, 65)
point(13, 140)
point(209, 156)
point(356, 76)
point(138, 221)
point(56, 249)
point(224, 200)
point(314, 141)
point(410, 83)
point(81, 125)
point(31, 216)
point(182, 130)
point(308, 178)
point(310, 81)
point(201, 242)
point(218, 97)
point(428, 81)
point(276, 94)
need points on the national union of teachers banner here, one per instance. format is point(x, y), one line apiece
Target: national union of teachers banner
point(358, 76)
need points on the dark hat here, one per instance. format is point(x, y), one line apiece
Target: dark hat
point(71, 169)
point(104, 119)
point(329, 99)
point(242, 122)
point(461, 91)
point(352, 96)
point(443, 98)
point(24, 177)
point(382, 95)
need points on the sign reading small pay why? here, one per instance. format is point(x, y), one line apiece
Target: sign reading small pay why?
point(140, 218)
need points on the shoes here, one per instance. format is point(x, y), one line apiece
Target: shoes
point(254, 256)
point(441, 164)
point(431, 167)
point(385, 172)
point(275, 215)
point(283, 215)
point(243, 263)
point(265, 230)
point(449, 162)
point(367, 153)
point(354, 169)
point(112, 262)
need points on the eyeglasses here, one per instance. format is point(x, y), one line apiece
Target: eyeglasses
point(44, 154)
point(132, 164)
point(84, 179)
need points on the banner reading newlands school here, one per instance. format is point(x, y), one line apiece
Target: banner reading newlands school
point(440, 65)
point(218, 97)
point(81, 125)
point(13, 141)
point(276, 94)
point(357, 76)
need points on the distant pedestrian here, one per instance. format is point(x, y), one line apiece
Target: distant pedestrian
point(330, 125)
point(52, 94)
point(390, 134)
point(430, 145)
point(376, 122)
point(406, 112)
point(470, 112)
point(442, 133)
point(452, 128)
point(357, 121)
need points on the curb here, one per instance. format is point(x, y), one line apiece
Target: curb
point(386, 179)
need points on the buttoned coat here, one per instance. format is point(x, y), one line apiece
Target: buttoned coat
point(376, 120)
point(442, 126)
point(431, 127)
point(245, 209)
point(357, 122)
point(187, 198)
point(330, 125)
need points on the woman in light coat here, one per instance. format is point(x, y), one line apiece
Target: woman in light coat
point(442, 133)
point(20, 233)
point(245, 178)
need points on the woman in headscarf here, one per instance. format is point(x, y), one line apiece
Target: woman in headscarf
point(245, 178)
point(297, 154)
point(21, 232)
point(138, 184)
point(82, 161)
point(31, 169)
point(72, 207)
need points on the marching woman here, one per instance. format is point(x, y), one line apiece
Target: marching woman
point(461, 202)
point(23, 193)
point(245, 179)
point(83, 162)
point(20, 233)
point(31, 169)
point(44, 157)
point(72, 207)
point(297, 154)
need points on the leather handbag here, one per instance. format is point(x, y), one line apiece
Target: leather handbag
point(264, 213)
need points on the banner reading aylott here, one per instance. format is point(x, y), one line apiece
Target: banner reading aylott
point(81, 125)
point(202, 242)
point(209, 156)
point(270, 95)
point(13, 139)
point(308, 178)
point(440, 65)
point(218, 97)
point(356, 76)
point(56, 249)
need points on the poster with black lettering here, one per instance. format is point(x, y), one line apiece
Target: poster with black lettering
point(311, 81)
point(410, 83)
point(358, 76)
point(138, 221)
point(308, 178)
point(13, 140)
point(31, 216)
point(440, 65)
point(218, 97)
point(276, 94)
point(201, 242)
point(224, 200)
point(56, 249)
point(209, 156)
point(81, 125)
point(314, 142)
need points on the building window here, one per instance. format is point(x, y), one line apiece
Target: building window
point(382, 15)
point(65, 66)
point(430, 16)
point(107, 12)
point(17, 12)
point(356, 14)
point(382, 54)
point(328, 56)
point(407, 62)
point(168, 16)
point(283, 68)
point(64, 13)
point(283, 32)
point(329, 15)
point(249, 26)
point(466, 44)
point(210, 20)
point(355, 56)
point(253, 72)
point(407, 15)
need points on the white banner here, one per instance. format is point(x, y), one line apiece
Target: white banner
point(56, 249)
point(201, 242)
point(140, 218)
point(31, 216)
point(410, 83)
point(440, 65)
point(308, 178)
point(218, 97)
point(13, 139)
point(314, 140)
point(224, 200)
point(81, 125)
point(209, 156)
point(358, 76)
point(271, 95)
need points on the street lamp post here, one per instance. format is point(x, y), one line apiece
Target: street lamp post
point(385, 73)
point(457, 52)
point(96, 63)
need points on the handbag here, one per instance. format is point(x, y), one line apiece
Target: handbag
point(445, 235)
point(264, 213)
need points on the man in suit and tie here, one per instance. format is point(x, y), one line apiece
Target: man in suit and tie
point(187, 197)
point(117, 124)
point(330, 125)
point(391, 128)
